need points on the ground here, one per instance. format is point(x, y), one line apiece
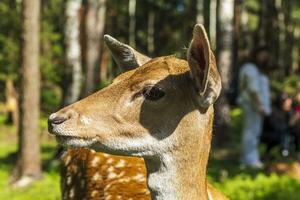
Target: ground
point(224, 171)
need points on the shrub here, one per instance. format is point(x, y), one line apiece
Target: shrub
point(273, 187)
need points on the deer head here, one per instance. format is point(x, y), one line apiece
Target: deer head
point(160, 110)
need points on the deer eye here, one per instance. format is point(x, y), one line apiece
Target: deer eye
point(153, 93)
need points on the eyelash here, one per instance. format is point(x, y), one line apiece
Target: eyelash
point(145, 92)
point(153, 93)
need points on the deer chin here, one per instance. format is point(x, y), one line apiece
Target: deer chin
point(74, 141)
point(137, 147)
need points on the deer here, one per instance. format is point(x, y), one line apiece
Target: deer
point(158, 113)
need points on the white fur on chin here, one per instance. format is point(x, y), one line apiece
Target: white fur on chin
point(75, 142)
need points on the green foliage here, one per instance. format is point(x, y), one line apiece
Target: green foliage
point(254, 6)
point(290, 84)
point(168, 37)
point(10, 27)
point(172, 32)
point(295, 11)
point(273, 187)
point(51, 97)
point(52, 53)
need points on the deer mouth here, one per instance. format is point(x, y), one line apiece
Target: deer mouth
point(66, 137)
point(74, 141)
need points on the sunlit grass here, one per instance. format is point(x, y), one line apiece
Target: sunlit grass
point(259, 187)
point(45, 189)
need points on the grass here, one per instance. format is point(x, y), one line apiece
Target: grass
point(45, 189)
point(223, 171)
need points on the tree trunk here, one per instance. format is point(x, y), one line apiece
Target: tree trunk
point(95, 23)
point(150, 34)
point(289, 37)
point(242, 45)
point(200, 13)
point(73, 53)
point(237, 33)
point(28, 167)
point(263, 23)
point(295, 50)
point(132, 22)
point(246, 40)
point(225, 50)
point(213, 24)
point(281, 34)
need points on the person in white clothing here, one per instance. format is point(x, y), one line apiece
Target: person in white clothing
point(254, 100)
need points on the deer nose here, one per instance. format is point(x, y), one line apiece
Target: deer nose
point(56, 119)
point(59, 118)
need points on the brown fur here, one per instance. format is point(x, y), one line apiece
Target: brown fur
point(87, 174)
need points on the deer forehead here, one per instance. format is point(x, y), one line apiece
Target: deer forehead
point(155, 69)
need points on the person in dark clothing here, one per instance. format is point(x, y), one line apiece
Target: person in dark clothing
point(276, 126)
point(295, 128)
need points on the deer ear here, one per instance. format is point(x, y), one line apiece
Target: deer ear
point(203, 71)
point(125, 56)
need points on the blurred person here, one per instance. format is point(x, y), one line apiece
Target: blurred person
point(287, 108)
point(276, 125)
point(254, 100)
point(295, 128)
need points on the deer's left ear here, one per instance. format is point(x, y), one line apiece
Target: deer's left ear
point(125, 56)
point(204, 72)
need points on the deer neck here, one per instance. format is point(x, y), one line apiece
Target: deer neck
point(181, 173)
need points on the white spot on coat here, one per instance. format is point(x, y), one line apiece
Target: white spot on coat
point(120, 164)
point(95, 161)
point(111, 169)
point(139, 177)
point(68, 159)
point(94, 193)
point(85, 120)
point(111, 175)
point(96, 176)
